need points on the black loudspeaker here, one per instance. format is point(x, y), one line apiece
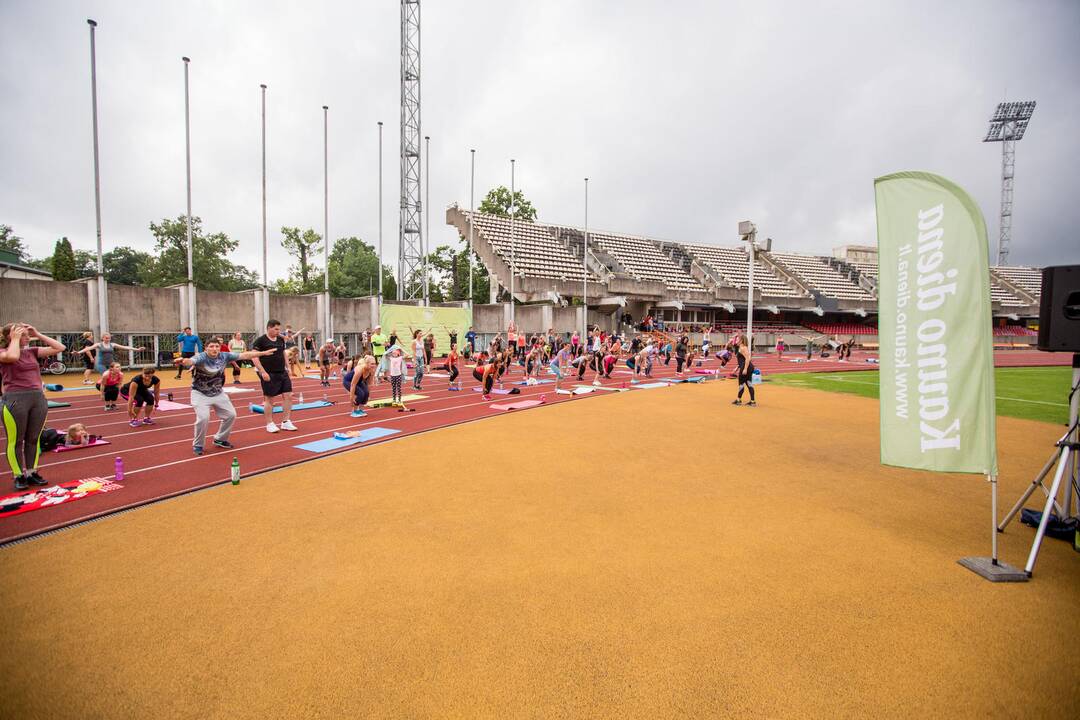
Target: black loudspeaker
point(1059, 311)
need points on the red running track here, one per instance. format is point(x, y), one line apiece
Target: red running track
point(159, 463)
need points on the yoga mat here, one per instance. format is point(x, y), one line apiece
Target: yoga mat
point(170, 405)
point(673, 380)
point(538, 382)
point(20, 502)
point(301, 406)
point(519, 405)
point(706, 372)
point(385, 402)
point(69, 448)
point(55, 404)
point(580, 390)
point(497, 391)
point(61, 388)
point(333, 443)
point(650, 386)
point(436, 374)
point(603, 387)
point(236, 390)
point(695, 379)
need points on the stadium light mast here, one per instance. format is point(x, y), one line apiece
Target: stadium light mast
point(513, 247)
point(1007, 126)
point(380, 214)
point(748, 234)
point(472, 211)
point(327, 329)
point(426, 236)
point(585, 267)
point(410, 240)
point(192, 318)
point(102, 288)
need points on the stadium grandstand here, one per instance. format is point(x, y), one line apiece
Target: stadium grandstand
point(698, 284)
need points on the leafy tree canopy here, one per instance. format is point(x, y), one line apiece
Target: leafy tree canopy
point(497, 202)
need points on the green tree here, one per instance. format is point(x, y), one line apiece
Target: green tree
point(302, 246)
point(126, 266)
point(85, 263)
point(497, 202)
point(211, 268)
point(12, 243)
point(354, 270)
point(63, 261)
point(449, 270)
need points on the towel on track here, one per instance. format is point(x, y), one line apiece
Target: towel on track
point(497, 391)
point(55, 404)
point(18, 503)
point(235, 390)
point(538, 382)
point(301, 406)
point(385, 402)
point(336, 441)
point(519, 405)
point(166, 405)
point(603, 387)
point(650, 386)
point(69, 448)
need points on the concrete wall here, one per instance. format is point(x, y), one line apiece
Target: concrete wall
point(565, 319)
point(48, 305)
point(489, 318)
point(139, 309)
point(296, 310)
point(351, 315)
point(530, 318)
point(224, 313)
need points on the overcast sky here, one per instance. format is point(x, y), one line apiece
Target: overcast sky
point(687, 117)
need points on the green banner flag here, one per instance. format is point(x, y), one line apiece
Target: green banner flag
point(937, 355)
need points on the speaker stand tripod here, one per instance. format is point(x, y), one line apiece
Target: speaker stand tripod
point(1065, 461)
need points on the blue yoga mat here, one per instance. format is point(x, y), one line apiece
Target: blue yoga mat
point(695, 379)
point(302, 406)
point(52, 387)
point(650, 386)
point(333, 443)
point(538, 382)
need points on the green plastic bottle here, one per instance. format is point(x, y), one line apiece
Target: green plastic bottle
point(235, 471)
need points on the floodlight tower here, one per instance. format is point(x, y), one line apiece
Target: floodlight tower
point(410, 238)
point(1007, 126)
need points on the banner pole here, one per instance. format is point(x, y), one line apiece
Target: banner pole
point(993, 519)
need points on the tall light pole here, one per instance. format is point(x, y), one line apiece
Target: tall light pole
point(472, 210)
point(102, 289)
point(1007, 126)
point(266, 280)
point(748, 233)
point(192, 317)
point(326, 222)
point(513, 247)
point(585, 267)
point(427, 214)
point(380, 212)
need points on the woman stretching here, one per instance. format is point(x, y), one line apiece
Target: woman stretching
point(87, 341)
point(561, 363)
point(236, 345)
point(142, 393)
point(356, 380)
point(452, 361)
point(105, 352)
point(419, 355)
point(109, 385)
point(486, 374)
point(746, 373)
point(24, 405)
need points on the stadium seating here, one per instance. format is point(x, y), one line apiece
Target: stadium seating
point(1014, 331)
point(843, 328)
point(535, 253)
point(763, 326)
point(732, 264)
point(1026, 278)
point(643, 259)
point(818, 274)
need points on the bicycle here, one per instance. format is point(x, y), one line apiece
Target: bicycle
point(53, 365)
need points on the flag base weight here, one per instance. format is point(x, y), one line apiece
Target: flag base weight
point(985, 567)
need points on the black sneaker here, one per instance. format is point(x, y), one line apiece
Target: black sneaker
point(752, 403)
point(736, 402)
point(196, 449)
point(21, 483)
point(224, 444)
point(36, 479)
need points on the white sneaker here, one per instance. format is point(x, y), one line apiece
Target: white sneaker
point(287, 425)
point(271, 427)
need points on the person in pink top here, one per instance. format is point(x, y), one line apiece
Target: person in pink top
point(24, 405)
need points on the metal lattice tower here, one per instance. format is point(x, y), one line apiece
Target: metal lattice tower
point(1007, 126)
point(411, 245)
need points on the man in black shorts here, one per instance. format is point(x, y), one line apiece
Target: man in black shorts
point(274, 376)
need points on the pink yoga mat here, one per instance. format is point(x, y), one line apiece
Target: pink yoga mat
point(68, 448)
point(519, 405)
point(706, 372)
point(170, 405)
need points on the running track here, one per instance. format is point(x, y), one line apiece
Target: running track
point(159, 463)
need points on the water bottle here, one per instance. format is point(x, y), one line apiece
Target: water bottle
point(301, 398)
point(119, 469)
point(324, 398)
point(235, 471)
point(168, 396)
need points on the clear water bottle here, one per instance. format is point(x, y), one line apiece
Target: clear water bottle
point(301, 398)
point(235, 471)
point(119, 469)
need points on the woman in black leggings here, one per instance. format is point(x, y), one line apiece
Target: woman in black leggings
point(746, 373)
point(24, 405)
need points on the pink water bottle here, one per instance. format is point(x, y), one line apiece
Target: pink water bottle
point(119, 471)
